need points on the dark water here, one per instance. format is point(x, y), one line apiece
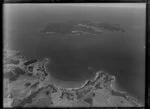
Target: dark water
point(120, 54)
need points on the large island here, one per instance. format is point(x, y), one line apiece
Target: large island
point(80, 27)
point(26, 84)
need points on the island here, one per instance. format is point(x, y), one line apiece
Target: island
point(27, 85)
point(80, 27)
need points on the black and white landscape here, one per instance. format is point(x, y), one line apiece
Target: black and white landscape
point(74, 55)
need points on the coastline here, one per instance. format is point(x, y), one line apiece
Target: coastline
point(46, 62)
point(106, 80)
point(112, 85)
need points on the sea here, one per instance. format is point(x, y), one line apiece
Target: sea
point(74, 59)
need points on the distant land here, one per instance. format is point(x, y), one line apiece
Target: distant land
point(80, 27)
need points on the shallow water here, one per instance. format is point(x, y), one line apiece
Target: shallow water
point(77, 58)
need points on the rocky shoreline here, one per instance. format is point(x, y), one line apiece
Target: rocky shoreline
point(29, 86)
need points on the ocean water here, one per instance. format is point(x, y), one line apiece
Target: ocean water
point(73, 59)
